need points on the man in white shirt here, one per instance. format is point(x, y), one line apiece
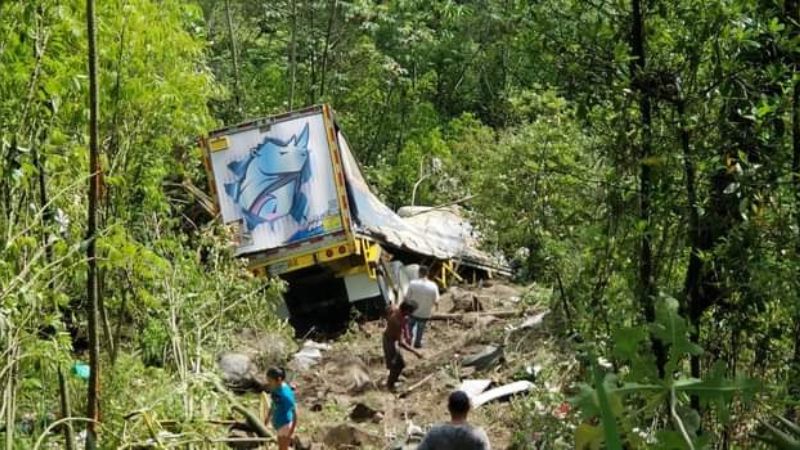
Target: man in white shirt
point(425, 293)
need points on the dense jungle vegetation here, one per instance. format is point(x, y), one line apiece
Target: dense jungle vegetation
point(642, 157)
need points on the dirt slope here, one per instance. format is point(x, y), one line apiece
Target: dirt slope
point(352, 373)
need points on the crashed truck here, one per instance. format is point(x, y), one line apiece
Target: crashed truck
point(302, 211)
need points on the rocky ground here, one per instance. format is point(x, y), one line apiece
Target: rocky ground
point(342, 399)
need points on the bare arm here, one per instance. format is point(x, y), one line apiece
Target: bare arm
point(294, 420)
point(404, 345)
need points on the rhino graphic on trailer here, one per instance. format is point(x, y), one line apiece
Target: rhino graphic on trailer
point(268, 181)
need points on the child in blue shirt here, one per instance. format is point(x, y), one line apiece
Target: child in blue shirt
point(283, 410)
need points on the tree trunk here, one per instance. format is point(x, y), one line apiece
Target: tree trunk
point(647, 288)
point(39, 162)
point(293, 56)
point(66, 411)
point(326, 50)
point(93, 404)
point(312, 55)
point(237, 88)
point(691, 288)
point(792, 11)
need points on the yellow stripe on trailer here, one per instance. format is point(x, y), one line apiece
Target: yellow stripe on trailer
point(292, 263)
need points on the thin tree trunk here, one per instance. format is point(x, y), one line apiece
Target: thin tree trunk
point(691, 289)
point(66, 411)
point(39, 162)
point(118, 328)
point(293, 56)
point(237, 89)
point(325, 50)
point(647, 287)
point(312, 54)
point(792, 10)
point(10, 395)
point(93, 404)
point(109, 337)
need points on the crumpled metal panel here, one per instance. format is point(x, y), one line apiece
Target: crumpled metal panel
point(441, 234)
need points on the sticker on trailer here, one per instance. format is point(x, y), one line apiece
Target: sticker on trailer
point(277, 184)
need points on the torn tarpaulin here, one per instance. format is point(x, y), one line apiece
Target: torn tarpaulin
point(443, 234)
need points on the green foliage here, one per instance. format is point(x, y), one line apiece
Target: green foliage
point(785, 436)
point(529, 110)
point(605, 396)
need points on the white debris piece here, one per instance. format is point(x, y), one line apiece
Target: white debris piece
point(310, 355)
point(473, 388)
point(502, 392)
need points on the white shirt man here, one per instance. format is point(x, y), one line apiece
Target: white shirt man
point(425, 293)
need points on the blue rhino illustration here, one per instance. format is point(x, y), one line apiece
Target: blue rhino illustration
point(268, 181)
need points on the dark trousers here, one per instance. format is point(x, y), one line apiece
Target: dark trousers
point(394, 360)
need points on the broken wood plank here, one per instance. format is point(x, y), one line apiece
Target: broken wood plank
point(501, 314)
point(417, 384)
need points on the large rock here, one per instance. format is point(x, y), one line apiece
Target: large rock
point(302, 443)
point(244, 367)
point(362, 413)
point(238, 371)
point(345, 436)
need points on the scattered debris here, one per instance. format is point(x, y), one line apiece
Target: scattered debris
point(309, 355)
point(464, 300)
point(414, 433)
point(502, 392)
point(474, 387)
point(417, 384)
point(345, 410)
point(487, 357)
point(528, 373)
point(532, 321)
point(502, 314)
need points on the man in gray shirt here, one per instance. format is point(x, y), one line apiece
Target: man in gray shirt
point(457, 434)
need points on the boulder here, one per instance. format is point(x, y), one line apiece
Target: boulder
point(244, 367)
point(345, 436)
point(363, 413)
point(239, 372)
point(302, 443)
